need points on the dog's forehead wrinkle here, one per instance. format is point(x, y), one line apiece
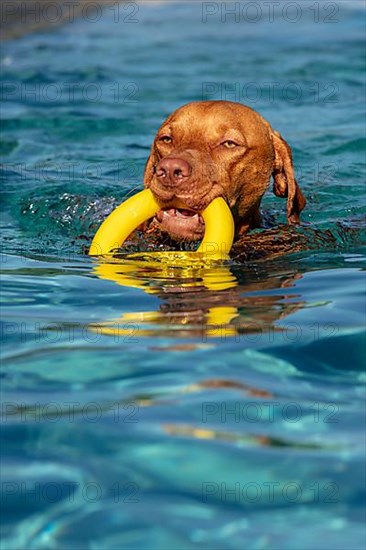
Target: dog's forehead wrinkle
point(225, 110)
point(165, 129)
point(206, 134)
point(204, 122)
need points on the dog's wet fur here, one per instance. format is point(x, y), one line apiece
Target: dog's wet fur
point(215, 149)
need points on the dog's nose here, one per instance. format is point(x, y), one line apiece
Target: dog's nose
point(173, 171)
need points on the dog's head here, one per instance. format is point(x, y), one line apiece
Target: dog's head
point(215, 149)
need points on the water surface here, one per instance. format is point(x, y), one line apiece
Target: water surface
point(155, 407)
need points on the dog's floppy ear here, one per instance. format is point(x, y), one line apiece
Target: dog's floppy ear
point(285, 184)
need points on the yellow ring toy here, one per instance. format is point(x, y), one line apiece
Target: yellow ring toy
point(215, 245)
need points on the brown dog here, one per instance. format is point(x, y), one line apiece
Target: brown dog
point(215, 149)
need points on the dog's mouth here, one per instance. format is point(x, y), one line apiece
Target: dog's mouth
point(180, 223)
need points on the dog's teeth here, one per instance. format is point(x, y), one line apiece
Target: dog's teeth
point(179, 213)
point(186, 214)
point(170, 212)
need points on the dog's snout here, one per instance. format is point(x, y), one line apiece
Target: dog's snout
point(173, 170)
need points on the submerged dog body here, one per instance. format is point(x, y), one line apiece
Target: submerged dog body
point(215, 149)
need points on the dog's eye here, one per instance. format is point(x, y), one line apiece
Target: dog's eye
point(229, 144)
point(166, 139)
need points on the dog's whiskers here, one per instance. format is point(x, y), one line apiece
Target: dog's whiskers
point(133, 191)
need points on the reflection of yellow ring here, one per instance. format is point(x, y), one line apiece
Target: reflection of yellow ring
point(126, 274)
point(139, 274)
point(219, 226)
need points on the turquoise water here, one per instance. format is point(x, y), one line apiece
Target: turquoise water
point(148, 407)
